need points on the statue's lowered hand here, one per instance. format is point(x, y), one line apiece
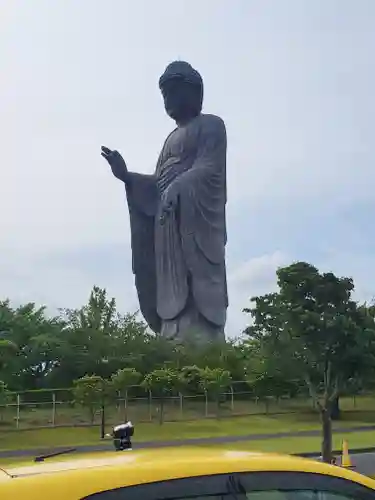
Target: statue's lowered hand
point(169, 200)
point(116, 162)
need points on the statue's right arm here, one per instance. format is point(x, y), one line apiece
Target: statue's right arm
point(142, 193)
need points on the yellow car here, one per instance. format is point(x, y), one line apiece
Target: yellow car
point(184, 473)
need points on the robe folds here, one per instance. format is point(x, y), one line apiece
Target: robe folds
point(183, 259)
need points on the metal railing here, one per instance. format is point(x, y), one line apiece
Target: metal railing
point(39, 409)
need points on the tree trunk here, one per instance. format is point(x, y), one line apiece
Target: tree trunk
point(102, 423)
point(326, 435)
point(267, 405)
point(161, 412)
point(126, 406)
point(218, 406)
point(335, 409)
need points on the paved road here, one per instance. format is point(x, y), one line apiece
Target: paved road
point(364, 463)
point(107, 446)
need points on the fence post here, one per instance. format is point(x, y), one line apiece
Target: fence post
point(18, 411)
point(267, 404)
point(232, 398)
point(150, 406)
point(181, 405)
point(53, 409)
point(118, 402)
point(126, 405)
point(206, 404)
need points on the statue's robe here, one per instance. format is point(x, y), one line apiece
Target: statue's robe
point(179, 265)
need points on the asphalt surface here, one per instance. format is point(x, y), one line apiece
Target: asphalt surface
point(364, 463)
point(108, 446)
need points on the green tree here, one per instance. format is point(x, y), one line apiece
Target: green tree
point(99, 340)
point(122, 381)
point(214, 381)
point(268, 376)
point(190, 378)
point(161, 382)
point(8, 349)
point(89, 338)
point(314, 324)
point(4, 398)
point(41, 355)
point(29, 340)
point(92, 393)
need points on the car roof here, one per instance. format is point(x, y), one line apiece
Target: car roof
point(99, 472)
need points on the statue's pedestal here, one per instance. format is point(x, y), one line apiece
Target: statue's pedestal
point(190, 326)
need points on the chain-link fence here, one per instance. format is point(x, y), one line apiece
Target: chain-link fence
point(54, 408)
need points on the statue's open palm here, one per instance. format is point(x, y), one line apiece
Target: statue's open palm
point(116, 162)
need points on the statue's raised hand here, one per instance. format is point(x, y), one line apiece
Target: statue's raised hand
point(116, 162)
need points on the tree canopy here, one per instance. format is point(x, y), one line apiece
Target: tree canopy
point(309, 336)
point(312, 328)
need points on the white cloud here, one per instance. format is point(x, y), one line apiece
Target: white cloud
point(257, 273)
point(254, 277)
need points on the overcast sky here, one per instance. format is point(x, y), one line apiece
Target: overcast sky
point(294, 81)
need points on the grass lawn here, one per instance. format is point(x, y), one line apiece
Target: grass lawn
point(254, 424)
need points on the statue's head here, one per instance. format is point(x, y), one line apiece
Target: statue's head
point(182, 89)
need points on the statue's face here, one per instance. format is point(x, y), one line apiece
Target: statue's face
point(182, 100)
